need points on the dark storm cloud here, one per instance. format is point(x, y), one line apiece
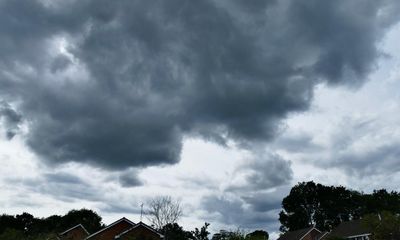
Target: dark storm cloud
point(136, 76)
point(10, 118)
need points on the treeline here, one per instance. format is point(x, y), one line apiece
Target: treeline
point(26, 226)
point(311, 204)
point(308, 204)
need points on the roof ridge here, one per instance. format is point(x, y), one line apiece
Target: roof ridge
point(78, 225)
point(110, 225)
point(139, 224)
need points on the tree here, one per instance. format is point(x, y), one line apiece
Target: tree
point(382, 200)
point(12, 234)
point(51, 224)
point(310, 204)
point(88, 218)
point(45, 236)
point(237, 235)
point(202, 233)
point(163, 210)
point(33, 228)
point(8, 222)
point(25, 221)
point(172, 231)
point(258, 235)
point(385, 226)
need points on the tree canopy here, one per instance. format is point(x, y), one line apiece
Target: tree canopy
point(311, 204)
point(30, 227)
point(385, 226)
point(258, 235)
point(172, 231)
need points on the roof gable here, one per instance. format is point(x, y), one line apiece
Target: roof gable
point(140, 224)
point(298, 234)
point(73, 228)
point(117, 224)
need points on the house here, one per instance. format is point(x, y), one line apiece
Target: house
point(112, 230)
point(140, 231)
point(353, 230)
point(310, 233)
point(77, 232)
point(124, 229)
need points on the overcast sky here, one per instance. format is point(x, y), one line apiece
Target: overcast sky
point(223, 104)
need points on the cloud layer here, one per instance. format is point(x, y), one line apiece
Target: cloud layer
point(118, 84)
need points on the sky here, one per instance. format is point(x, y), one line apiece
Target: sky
point(223, 105)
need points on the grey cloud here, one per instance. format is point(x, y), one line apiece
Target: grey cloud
point(130, 179)
point(195, 182)
point(25, 202)
point(267, 201)
point(65, 178)
point(11, 119)
point(334, 27)
point(232, 211)
point(361, 147)
point(152, 72)
point(298, 143)
point(62, 186)
point(68, 192)
point(380, 159)
point(264, 172)
point(120, 208)
point(67, 187)
point(270, 174)
point(255, 200)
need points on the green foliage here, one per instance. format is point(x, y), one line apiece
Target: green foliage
point(12, 234)
point(258, 235)
point(226, 235)
point(326, 206)
point(385, 227)
point(9, 221)
point(201, 234)
point(44, 228)
point(237, 235)
point(172, 231)
point(88, 218)
point(47, 225)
